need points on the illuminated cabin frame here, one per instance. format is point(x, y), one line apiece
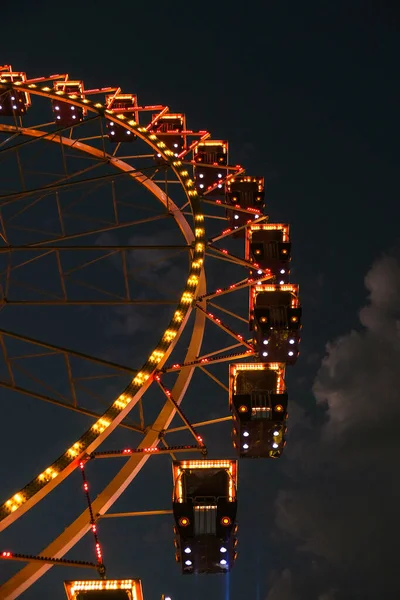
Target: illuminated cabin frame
point(72, 89)
point(7, 75)
point(293, 288)
point(208, 144)
point(209, 170)
point(281, 256)
point(128, 103)
point(259, 422)
point(133, 587)
point(179, 467)
point(265, 227)
point(127, 106)
point(164, 118)
point(235, 368)
point(172, 133)
point(245, 179)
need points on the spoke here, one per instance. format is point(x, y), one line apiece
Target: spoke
point(223, 254)
point(143, 302)
point(37, 247)
point(180, 412)
point(222, 350)
point(146, 513)
point(237, 286)
point(204, 360)
point(154, 450)
point(82, 411)
point(56, 133)
point(74, 236)
point(228, 232)
point(57, 186)
point(225, 328)
point(62, 350)
point(61, 562)
point(201, 424)
point(229, 312)
point(214, 378)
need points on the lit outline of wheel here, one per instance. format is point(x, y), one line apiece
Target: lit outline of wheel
point(195, 285)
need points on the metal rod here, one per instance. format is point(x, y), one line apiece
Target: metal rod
point(146, 513)
point(201, 424)
point(83, 411)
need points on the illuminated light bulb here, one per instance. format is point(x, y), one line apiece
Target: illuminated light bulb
point(290, 353)
point(276, 433)
point(223, 549)
point(265, 353)
point(246, 434)
point(219, 175)
point(201, 175)
point(222, 562)
point(282, 271)
point(57, 107)
point(188, 563)
point(158, 155)
point(256, 216)
point(58, 117)
point(219, 185)
point(245, 446)
point(201, 185)
point(112, 132)
point(291, 341)
point(275, 445)
point(259, 272)
point(188, 550)
point(235, 216)
point(72, 107)
point(128, 133)
point(265, 342)
point(175, 145)
point(243, 408)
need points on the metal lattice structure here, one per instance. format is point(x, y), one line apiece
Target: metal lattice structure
point(88, 138)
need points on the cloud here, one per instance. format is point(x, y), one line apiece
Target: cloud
point(342, 506)
point(282, 588)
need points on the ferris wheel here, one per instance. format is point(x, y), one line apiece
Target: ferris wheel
point(116, 217)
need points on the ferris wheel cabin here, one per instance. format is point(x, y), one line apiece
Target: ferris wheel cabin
point(269, 246)
point(67, 115)
point(127, 106)
point(13, 103)
point(99, 589)
point(204, 506)
point(210, 157)
point(258, 402)
point(276, 321)
point(244, 192)
point(168, 128)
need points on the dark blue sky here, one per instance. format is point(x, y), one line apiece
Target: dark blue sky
point(307, 95)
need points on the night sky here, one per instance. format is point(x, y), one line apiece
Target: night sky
point(307, 93)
